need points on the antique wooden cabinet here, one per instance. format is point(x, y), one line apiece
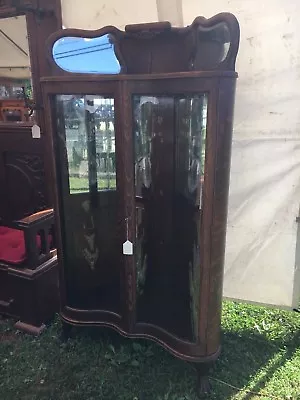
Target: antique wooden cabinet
point(140, 155)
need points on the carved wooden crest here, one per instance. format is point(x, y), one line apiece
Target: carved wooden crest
point(205, 45)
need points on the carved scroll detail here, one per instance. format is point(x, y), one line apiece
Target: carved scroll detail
point(25, 176)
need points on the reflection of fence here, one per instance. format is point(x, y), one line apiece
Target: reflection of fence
point(106, 162)
point(85, 129)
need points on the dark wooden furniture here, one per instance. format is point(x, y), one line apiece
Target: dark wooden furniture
point(28, 271)
point(170, 114)
point(22, 173)
point(22, 166)
point(29, 290)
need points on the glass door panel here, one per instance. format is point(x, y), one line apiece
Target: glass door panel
point(89, 196)
point(169, 136)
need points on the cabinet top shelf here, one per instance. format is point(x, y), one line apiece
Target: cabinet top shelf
point(147, 49)
point(124, 77)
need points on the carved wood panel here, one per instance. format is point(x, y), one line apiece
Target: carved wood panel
point(25, 183)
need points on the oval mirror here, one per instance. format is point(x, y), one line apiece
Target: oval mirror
point(86, 56)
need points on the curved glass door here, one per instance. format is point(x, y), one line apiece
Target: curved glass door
point(86, 167)
point(169, 136)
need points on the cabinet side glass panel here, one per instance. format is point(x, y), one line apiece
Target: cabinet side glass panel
point(88, 195)
point(169, 142)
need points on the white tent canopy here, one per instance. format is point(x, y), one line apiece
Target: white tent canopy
point(262, 261)
point(262, 254)
point(94, 14)
point(91, 14)
point(14, 59)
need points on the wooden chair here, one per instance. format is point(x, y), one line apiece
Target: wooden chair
point(13, 110)
point(28, 271)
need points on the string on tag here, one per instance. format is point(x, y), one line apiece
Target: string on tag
point(127, 229)
point(127, 246)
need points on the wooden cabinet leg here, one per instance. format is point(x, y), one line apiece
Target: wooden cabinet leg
point(28, 328)
point(203, 384)
point(66, 332)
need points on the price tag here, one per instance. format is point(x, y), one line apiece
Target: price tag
point(128, 248)
point(36, 132)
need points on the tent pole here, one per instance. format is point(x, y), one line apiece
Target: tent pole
point(170, 10)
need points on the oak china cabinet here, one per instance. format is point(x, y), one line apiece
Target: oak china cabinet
point(141, 128)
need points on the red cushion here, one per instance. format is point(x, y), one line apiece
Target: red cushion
point(12, 245)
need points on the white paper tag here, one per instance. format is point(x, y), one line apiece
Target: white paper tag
point(36, 132)
point(128, 248)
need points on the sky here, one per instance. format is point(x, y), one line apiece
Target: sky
point(86, 55)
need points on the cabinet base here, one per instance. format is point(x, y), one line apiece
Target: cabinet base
point(175, 346)
point(202, 364)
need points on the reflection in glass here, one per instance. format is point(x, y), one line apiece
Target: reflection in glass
point(141, 253)
point(86, 176)
point(90, 141)
point(169, 174)
point(89, 56)
point(212, 46)
point(190, 147)
point(143, 109)
point(15, 74)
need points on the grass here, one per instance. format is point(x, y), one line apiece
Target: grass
point(261, 353)
point(81, 185)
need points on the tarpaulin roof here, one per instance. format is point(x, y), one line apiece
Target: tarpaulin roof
point(263, 241)
point(94, 14)
point(14, 51)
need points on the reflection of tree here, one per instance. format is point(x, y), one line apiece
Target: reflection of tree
point(28, 88)
point(143, 140)
point(105, 140)
point(14, 89)
point(195, 178)
point(143, 114)
point(90, 119)
point(90, 251)
point(196, 143)
point(74, 112)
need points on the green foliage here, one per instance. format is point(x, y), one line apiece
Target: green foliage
point(261, 353)
point(81, 185)
point(28, 88)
